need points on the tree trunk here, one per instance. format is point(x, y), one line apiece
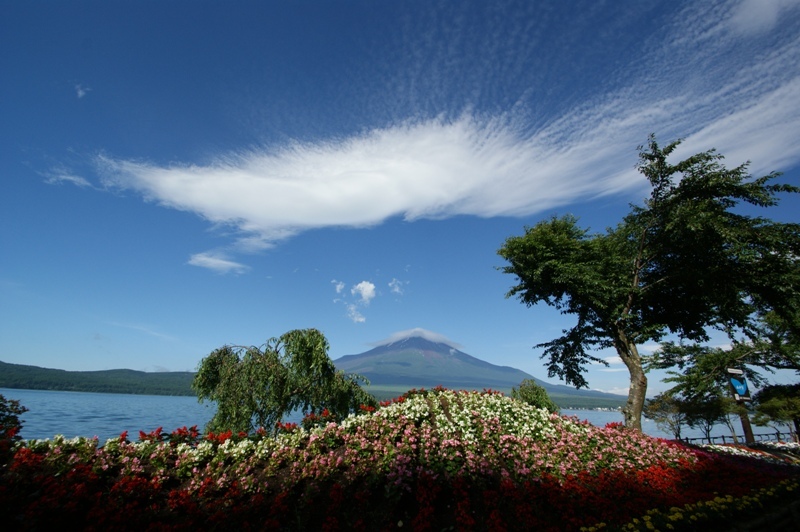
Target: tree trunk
point(746, 428)
point(632, 412)
point(732, 428)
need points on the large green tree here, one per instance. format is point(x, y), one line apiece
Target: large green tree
point(256, 387)
point(687, 260)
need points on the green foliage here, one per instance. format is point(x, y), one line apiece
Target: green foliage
point(256, 387)
point(10, 425)
point(704, 413)
point(701, 370)
point(701, 378)
point(531, 393)
point(779, 344)
point(778, 403)
point(556, 263)
point(671, 411)
point(685, 261)
point(668, 413)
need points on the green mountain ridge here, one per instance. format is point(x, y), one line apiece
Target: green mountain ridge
point(104, 381)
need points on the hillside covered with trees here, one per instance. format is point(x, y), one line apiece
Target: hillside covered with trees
point(107, 381)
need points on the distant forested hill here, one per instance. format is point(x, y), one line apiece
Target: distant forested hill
point(108, 381)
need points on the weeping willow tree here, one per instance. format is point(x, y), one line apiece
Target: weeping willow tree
point(255, 387)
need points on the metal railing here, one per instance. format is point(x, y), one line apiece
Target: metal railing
point(770, 436)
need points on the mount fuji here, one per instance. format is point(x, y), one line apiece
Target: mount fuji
point(426, 360)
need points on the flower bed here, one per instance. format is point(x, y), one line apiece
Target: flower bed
point(428, 460)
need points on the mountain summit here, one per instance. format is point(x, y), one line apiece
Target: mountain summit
point(418, 362)
point(414, 343)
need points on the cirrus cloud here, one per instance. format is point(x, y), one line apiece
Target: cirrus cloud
point(217, 262)
point(697, 79)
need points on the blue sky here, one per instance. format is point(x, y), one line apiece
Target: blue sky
point(181, 175)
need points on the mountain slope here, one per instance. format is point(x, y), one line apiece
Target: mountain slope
point(416, 362)
point(106, 381)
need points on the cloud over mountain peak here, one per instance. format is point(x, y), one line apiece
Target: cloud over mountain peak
point(417, 332)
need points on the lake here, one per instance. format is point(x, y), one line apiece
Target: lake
point(106, 415)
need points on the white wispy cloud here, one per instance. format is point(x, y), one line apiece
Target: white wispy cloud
point(431, 169)
point(81, 90)
point(758, 16)
point(418, 331)
point(146, 329)
point(338, 286)
point(354, 314)
point(696, 79)
point(396, 286)
point(61, 177)
point(648, 348)
point(217, 262)
point(618, 390)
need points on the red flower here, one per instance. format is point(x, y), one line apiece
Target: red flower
point(286, 427)
point(220, 438)
point(154, 435)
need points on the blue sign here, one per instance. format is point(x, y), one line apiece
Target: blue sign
point(739, 384)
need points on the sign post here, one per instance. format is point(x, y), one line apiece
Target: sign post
point(741, 394)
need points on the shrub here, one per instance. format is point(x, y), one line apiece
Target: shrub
point(535, 395)
point(10, 425)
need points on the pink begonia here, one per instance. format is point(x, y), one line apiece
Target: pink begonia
point(442, 432)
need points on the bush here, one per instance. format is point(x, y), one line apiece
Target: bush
point(531, 393)
point(10, 425)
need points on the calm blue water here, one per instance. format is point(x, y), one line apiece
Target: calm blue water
point(106, 415)
point(601, 418)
